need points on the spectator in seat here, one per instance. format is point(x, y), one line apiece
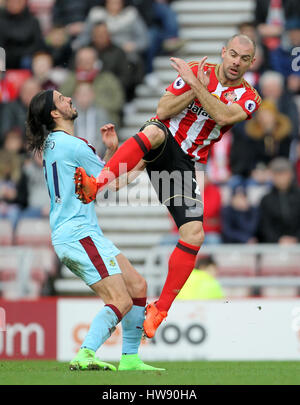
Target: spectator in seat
point(14, 142)
point(42, 69)
point(279, 220)
point(113, 59)
point(38, 198)
point(239, 218)
point(269, 17)
point(167, 18)
point(58, 43)
point(20, 34)
point(249, 28)
point(14, 113)
point(272, 87)
point(13, 184)
point(71, 14)
point(42, 10)
point(270, 134)
point(267, 136)
point(163, 29)
point(164, 37)
point(107, 87)
point(202, 283)
point(282, 58)
point(127, 30)
point(90, 117)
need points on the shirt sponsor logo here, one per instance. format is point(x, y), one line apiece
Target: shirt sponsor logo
point(199, 110)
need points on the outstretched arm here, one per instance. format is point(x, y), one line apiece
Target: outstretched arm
point(170, 105)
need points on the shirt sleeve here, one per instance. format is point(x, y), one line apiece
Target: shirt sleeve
point(89, 160)
point(250, 102)
point(179, 86)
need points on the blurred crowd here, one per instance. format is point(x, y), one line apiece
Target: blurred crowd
point(95, 51)
point(99, 51)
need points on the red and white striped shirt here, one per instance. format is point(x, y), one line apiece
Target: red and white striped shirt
point(193, 128)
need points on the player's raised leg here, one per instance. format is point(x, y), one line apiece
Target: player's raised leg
point(124, 160)
point(132, 322)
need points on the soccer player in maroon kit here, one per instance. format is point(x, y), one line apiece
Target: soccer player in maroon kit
point(204, 102)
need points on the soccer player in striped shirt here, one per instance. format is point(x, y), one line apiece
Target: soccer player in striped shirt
point(204, 102)
point(76, 235)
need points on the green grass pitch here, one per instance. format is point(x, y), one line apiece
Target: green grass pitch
point(43, 372)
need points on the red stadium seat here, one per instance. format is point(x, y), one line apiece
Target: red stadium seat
point(6, 232)
point(17, 77)
point(33, 232)
point(280, 264)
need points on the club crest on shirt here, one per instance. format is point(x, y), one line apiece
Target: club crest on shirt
point(179, 83)
point(230, 96)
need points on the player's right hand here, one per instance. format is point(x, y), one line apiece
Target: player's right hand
point(85, 186)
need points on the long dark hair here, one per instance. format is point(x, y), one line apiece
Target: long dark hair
point(39, 120)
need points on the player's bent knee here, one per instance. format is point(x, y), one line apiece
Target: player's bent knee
point(193, 233)
point(201, 237)
point(155, 135)
point(140, 288)
point(137, 287)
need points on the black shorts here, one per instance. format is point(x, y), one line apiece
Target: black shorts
point(172, 174)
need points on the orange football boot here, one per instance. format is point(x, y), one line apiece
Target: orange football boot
point(153, 319)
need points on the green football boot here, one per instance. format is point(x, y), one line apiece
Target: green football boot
point(132, 362)
point(85, 360)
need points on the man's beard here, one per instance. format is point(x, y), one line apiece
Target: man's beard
point(74, 116)
point(71, 116)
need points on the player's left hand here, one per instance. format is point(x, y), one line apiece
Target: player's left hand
point(184, 70)
point(109, 137)
point(187, 74)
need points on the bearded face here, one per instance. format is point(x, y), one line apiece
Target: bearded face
point(65, 107)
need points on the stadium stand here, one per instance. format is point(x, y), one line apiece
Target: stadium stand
point(138, 228)
point(33, 232)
